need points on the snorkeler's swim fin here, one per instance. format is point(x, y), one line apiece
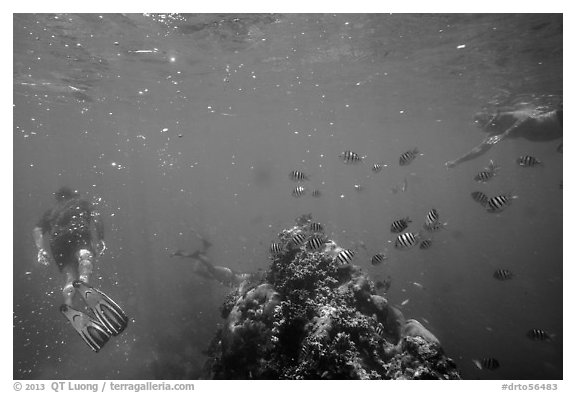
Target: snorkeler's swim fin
point(91, 331)
point(106, 310)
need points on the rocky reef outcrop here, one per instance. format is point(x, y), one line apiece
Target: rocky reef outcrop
point(315, 315)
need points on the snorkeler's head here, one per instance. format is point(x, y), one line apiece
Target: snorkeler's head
point(65, 193)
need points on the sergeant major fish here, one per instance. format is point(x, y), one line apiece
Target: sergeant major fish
point(409, 156)
point(298, 239)
point(298, 176)
point(431, 217)
point(345, 256)
point(378, 167)
point(276, 248)
point(426, 244)
point(498, 203)
point(503, 274)
point(298, 192)
point(316, 227)
point(528, 161)
point(539, 335)
point(349, 157)
point(377, 259)
point(487, 363)
point(400, 225)
point(488, 173)
point(480, 197)
point(315, 243)
point(406, 240)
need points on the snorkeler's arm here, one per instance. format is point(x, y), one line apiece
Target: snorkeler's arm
point(42, 227)
point(482, 148)
point(43, 256)
point(38, 234)
point(485, 145)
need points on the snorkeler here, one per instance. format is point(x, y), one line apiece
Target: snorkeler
point(65, 235)
point(204, 267)
point(525, 123)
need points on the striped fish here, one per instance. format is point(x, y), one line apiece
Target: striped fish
point(377, 259)
point(480, 197)
point(315, 243)
point(298, 176)
point(498, 203)
point(298, 192)
point(345, 256)
point(488, 173)
point(426, 244)
point(539, 335)
point(431, 217)
point(316, 227)
point(406, 240)
point(298, 239)
point(484, 176)
point(409, 156)
point(276, 248)
point(487, 363)
point(434, 226)
point(400, 225)
point(503, 274)
point(378, 167)
point(349, 157)
point(316, 193)
point(380, 329)
point(528, 161)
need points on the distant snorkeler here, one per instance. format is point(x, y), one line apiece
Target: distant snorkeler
point(528, 123)
point(70, 234)
point(204, 268)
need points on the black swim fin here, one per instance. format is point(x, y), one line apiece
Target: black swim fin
point(91, 331)
point(106, 310)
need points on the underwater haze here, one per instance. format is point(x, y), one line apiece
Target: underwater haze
point(179, 126)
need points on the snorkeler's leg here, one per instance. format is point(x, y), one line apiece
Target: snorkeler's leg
point(85, 265)
point(205, 261)
point(475, 152)
point(68, 290)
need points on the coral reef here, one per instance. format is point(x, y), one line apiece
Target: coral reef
point(313, 317)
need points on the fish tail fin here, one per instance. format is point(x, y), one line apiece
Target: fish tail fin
point(492, 167)
point(477, 363)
